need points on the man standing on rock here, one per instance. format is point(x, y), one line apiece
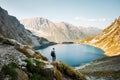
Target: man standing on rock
point(53, 54)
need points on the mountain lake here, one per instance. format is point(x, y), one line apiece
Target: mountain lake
point(73, 54)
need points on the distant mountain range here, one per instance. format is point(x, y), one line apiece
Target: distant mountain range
point(58, 32)
point(108, 39)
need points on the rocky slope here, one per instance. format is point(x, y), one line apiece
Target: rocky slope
point(108, 40)
point(21, 62)
point(57, 32)
point(102, 69)
point(10, 27)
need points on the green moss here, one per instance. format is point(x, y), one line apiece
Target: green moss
point(10, 70)
point(30, 65)
point(35, 67)
point(38, 77)
point(35, 77)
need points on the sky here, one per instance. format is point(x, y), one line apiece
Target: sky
point(95, 13)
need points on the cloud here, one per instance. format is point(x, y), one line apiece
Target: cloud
point(90, 19)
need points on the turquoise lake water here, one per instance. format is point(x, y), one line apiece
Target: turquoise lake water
point(73, 54)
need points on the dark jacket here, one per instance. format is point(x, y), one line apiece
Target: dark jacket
point(53, 54)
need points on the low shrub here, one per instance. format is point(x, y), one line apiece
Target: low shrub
point(35, 67)
point(10, 70)
point(38, 77)
point(35, 77)
point(58, 75)
point(68, 71)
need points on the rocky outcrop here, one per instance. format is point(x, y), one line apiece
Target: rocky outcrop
point(11, 28)
point(13, 51)
point(102, 69)
point(9, 54)
point(108, 40)
point(57, 32)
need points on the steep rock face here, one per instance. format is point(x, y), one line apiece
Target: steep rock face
point(108, 40)
point(56, 32)
point(10, 27)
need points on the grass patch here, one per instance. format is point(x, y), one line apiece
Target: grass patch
point(30, 65)
point(35, 67)
point(39, 56)
point(38, 77)
point(10, 70)
point(58, 75)
point(68, 71)
point(24, 49)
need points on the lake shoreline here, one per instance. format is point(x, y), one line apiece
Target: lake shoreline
point(83, 53)
point(44, 46)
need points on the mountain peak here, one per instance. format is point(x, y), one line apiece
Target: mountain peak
point(39, 19)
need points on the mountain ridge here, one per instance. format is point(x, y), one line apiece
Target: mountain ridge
point(56, 32)
point(108, 39)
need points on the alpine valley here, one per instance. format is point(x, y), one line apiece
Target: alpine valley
point(19, 61)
